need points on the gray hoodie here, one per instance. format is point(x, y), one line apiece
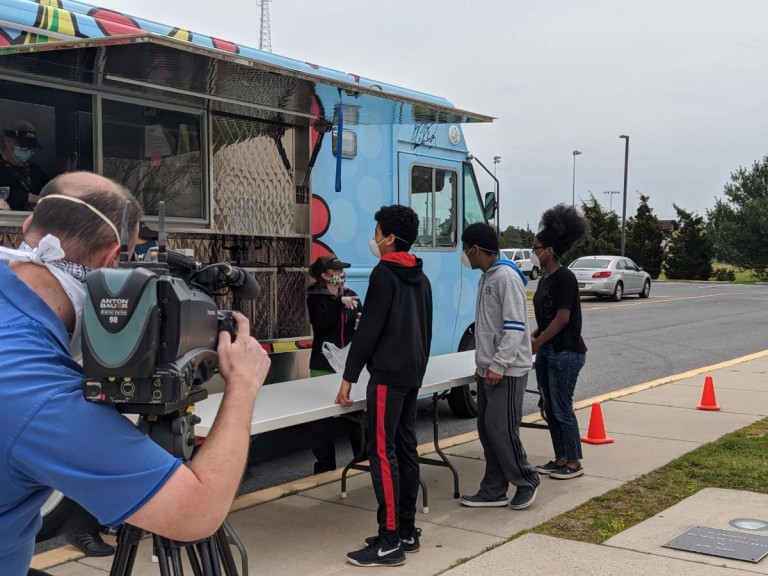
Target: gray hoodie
point(502, 333)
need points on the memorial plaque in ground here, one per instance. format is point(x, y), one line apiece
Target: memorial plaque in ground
point(723, 543)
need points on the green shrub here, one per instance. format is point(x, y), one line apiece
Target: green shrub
point(724, 275)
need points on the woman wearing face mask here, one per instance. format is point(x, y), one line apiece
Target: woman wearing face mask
point(18, 173)
point(333, 312)
point(557, 342)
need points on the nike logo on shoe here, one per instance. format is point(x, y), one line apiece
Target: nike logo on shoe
point(383, 552)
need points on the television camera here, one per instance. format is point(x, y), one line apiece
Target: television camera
point(150, 338)
point(151, 328)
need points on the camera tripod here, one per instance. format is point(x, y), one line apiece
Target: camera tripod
point(210, 556)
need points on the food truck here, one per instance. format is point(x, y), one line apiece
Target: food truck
point(261, 160)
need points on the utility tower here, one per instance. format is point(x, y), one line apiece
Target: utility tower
point(265, 37)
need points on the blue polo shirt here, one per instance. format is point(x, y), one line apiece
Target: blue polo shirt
point(50, 437)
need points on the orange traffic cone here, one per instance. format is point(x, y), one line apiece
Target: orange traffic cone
point(596, 433)
point(708, 401)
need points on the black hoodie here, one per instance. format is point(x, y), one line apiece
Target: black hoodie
point(395, 332)
point(331, 322)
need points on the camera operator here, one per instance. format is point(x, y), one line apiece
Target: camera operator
point(51, 437)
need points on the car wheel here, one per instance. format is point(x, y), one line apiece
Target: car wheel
point(534, 273)
point(55, 512)
point(646, 289)
point(618, 292)
point(462, 400)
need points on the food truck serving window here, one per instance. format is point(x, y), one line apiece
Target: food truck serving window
point(156, 153)
point(43, 133)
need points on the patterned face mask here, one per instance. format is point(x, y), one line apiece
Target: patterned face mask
point(337, 280)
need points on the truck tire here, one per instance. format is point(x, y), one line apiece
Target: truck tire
point(462, 400)
point(56, 511)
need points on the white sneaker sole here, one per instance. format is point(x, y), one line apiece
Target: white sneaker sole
point(495, 504)
point(375, 564)
point(576, 474)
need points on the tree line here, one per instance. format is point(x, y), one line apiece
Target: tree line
point(734, 232)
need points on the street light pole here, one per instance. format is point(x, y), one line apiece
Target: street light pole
point(573, 190)
point(610, 203)
point(496, 160)
point(624, 209)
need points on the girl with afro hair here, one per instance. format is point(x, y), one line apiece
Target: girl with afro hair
point(557, 342)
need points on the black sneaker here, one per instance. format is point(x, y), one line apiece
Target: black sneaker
point(89, 543)
point(477, 501)
point(377, 553)
point(565, 472)
point(410, 544)
point(548, 468)
point(524, 497)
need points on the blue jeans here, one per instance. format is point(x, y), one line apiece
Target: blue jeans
point(556, 374)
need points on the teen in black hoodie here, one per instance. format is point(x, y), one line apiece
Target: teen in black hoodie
point(393, 341)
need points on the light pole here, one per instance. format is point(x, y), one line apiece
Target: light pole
point(610, 203)
point(496, 160)
point(624, 209)
point(573, 190)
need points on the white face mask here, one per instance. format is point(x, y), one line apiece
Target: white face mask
point(50, 254)
point(374, 246)
point(535, 260)
point(465, 260)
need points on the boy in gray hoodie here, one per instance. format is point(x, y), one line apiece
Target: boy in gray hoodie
point(503, 359)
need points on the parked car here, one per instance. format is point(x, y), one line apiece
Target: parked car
point(613, 276)
point(522, 257)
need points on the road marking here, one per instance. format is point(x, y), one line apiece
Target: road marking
point(667, 380)
point(657, 300)
point(651, 300)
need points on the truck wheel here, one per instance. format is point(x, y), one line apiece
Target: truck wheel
point(534, 273)
point(462, 400)
point(56, 511)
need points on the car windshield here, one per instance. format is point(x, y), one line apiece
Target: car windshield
point(591, 263)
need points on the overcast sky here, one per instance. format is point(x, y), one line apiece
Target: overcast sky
point(686, 80)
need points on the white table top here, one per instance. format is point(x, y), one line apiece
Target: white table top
point(289, 403)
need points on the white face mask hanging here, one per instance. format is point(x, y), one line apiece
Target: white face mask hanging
point(70, 275)
point(50, 254)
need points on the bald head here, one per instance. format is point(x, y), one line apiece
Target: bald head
point(83, 234)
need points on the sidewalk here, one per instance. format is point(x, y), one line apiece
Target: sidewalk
point(308, 531)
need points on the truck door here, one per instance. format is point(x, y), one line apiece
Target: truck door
point(432, 187)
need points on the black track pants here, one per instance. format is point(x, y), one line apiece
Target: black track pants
point(393, 457)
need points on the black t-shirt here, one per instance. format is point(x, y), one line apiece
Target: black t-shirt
point(21, 180)
point(558, 291)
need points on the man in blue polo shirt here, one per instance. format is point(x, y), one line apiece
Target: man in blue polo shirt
point(51, 437)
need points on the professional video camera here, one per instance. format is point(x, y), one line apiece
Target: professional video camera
point(150, 329)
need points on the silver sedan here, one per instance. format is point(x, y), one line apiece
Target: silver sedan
point(613, 276)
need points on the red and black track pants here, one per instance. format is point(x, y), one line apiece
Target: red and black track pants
point(394, 461)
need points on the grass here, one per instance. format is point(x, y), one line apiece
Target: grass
point(743, 275)
point(736, 461)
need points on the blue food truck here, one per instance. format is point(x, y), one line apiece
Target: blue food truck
point(262, 160)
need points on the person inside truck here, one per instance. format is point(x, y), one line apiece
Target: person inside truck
point(334, 311)
point(393, 342)
point(22, 178)
point(117, 473)
point(146, 241)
